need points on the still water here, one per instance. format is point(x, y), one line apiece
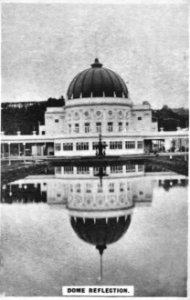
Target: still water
point(87, 225)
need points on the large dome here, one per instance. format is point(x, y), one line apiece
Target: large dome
point(101, 232)
point(97, 82)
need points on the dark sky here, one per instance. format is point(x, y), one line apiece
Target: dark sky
point(45, 45)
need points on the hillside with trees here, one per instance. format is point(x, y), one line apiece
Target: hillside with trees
point(169, 119)
point(25, 116)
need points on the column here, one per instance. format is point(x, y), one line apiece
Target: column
point(90, 146)
point(108, 170)
point(9, 152)
point(3, 150)
point(62, 171)
point(123, 146)
point(74, 170)
point(24, 150)
point(45, 147)
point(74, 148)
point(91, 171)
point(19, 149)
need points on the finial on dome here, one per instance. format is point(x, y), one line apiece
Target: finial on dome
point(96, 64)
point(101, 248)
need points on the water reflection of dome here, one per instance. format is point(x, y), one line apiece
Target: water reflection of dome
point(101, 232)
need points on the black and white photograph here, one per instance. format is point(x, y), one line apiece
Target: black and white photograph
point(94, 148)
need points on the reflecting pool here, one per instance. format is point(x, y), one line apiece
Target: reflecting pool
point(117, 224)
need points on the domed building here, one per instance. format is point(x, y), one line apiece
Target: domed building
point(98, 102)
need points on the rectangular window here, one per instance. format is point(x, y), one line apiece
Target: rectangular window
point(82, 146)
point(139, 118)
point(122, 187)
point(130, 168)
point(98, 127)
point(57, 170)
point(78, 188)
point(88, 188)
point(83, 170)
point(94, 145)
point(116, 169)
point(139, 144)
point(87, 127)
point(140, 168)
point(67, 146)
point(43, 132)
point(110, 126)
point(115, 145)
point(111, 187)
point(68, 170)
point(71, 188)
point(130, 144)
point(58, 147)
point(100, 188)
point(77, 128)
point(120, 126)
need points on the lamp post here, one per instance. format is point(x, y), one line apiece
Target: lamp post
point(100, 147)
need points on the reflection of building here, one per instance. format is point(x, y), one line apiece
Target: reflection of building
point(97, 102)
point(77, 187)
point(100, 213)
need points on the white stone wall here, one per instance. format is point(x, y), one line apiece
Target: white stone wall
point(141, 120)
point(55, 121)
point(116, 116)
point(63, 120)
point(103, 114)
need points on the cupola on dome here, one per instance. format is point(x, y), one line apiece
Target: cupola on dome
point(97, 81)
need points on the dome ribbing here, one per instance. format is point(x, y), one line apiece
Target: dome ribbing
point(97, 81)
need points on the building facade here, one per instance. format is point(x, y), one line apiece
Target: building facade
point(98, 102)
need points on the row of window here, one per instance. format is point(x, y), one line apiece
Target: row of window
point(138, 118)
point(89, 188)
point(112, 145)
point(114, 169)
point(87, 127)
